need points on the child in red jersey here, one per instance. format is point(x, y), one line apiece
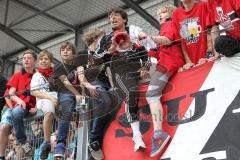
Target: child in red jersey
point(226, 13)
point(169, 60)
point(21, 104)
point(191, 23)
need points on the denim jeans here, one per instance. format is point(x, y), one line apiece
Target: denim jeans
point(100, 112)
point(18, 114)
point(67, 105)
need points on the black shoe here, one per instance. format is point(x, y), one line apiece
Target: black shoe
point(96, 150)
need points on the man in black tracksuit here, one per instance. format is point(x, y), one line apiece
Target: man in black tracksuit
point(127, 67)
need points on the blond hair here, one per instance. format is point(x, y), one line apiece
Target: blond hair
point(45, 52)
point(169, 8)
point(91, 35)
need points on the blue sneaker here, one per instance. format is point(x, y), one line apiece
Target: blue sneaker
point(45, 148)
point(159, 140)
point(59, 151)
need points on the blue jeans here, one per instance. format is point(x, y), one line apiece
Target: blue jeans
point(101, 112)
point(6, 117)
point(18, 114)
point(67, 105)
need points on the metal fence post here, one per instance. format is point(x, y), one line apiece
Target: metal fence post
point(83, 135)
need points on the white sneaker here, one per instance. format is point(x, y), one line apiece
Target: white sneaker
point(138, 143)
point(27, 149)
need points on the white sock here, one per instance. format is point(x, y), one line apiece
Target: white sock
point(135, 128)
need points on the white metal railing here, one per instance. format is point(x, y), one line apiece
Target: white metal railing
point(77, 140)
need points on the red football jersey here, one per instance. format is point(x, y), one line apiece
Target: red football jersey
point(190, 29)
point(170, 56)
point(227, 14)
point(21, 81)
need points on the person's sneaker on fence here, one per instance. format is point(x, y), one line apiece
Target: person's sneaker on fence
point(95, 150)
point(27, 149)
point(138, 143)
point(159, 140)
point(59, 150)
point(45, 148)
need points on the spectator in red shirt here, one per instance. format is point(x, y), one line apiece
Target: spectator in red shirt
point(226, 13)
point(191, 23)
point(22, 104)
point(169, 60)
